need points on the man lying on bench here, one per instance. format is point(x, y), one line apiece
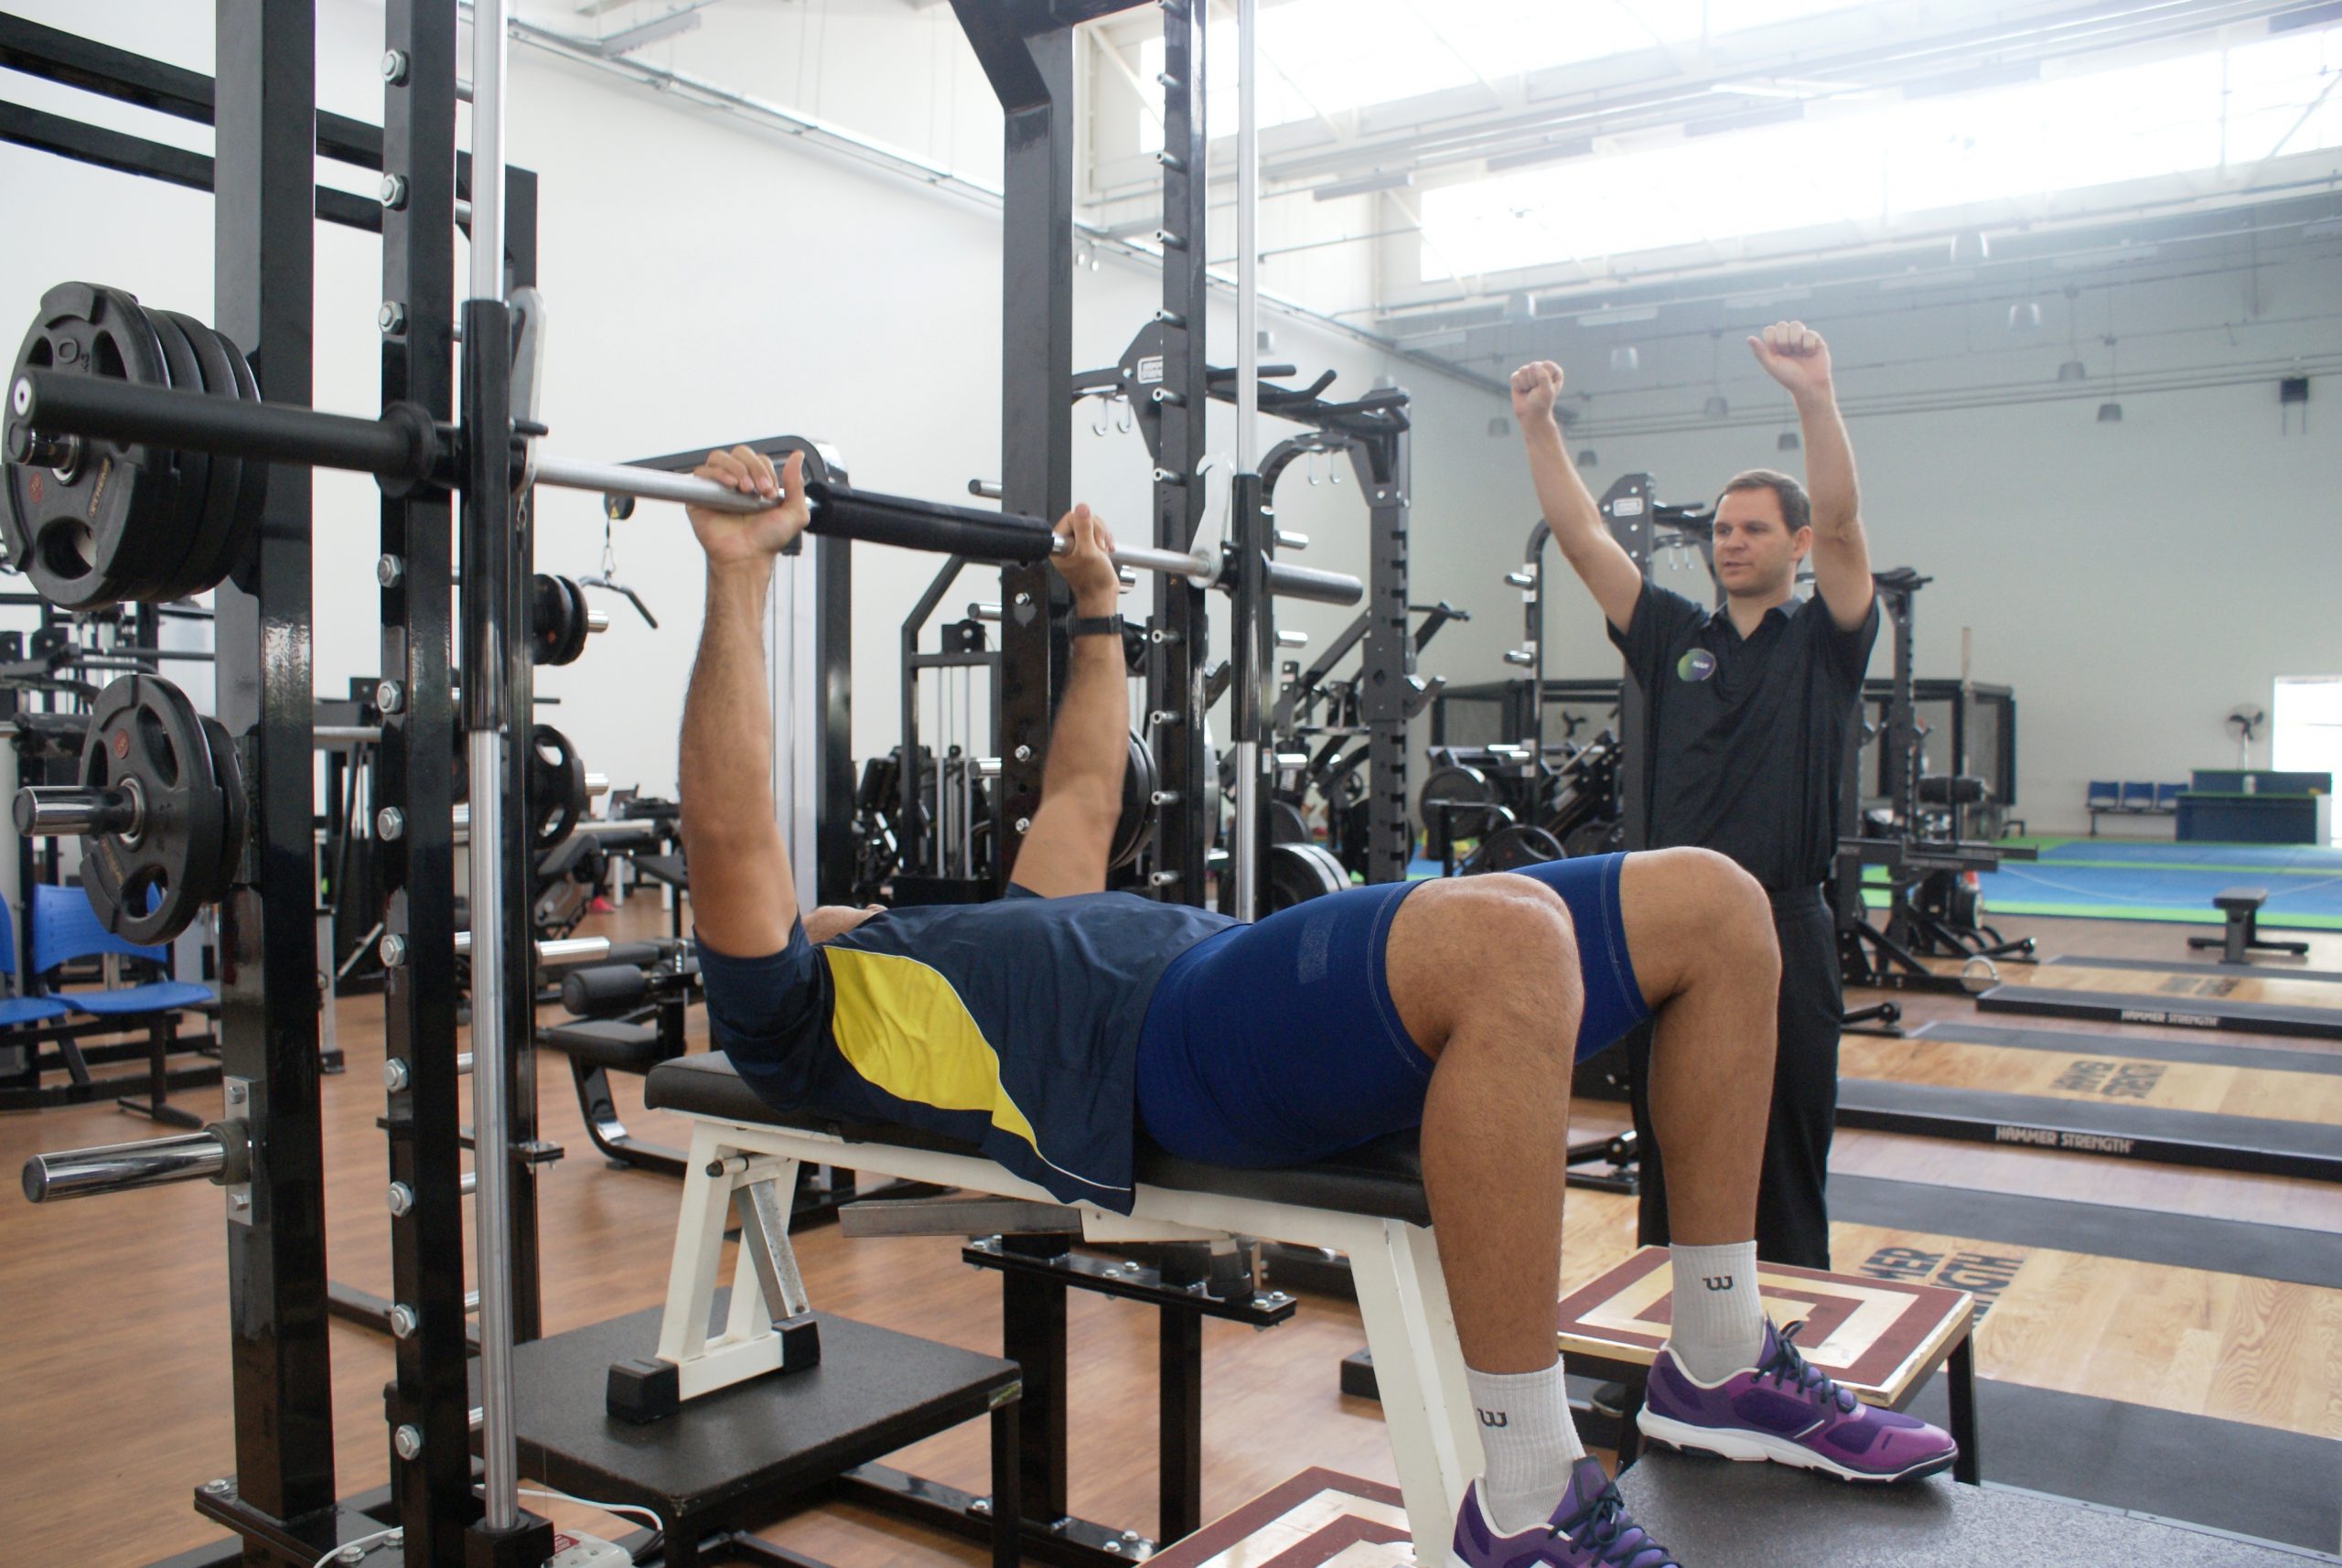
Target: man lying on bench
point(1051, 1027)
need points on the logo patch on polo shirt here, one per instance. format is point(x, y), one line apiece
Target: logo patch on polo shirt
point(1696, 665)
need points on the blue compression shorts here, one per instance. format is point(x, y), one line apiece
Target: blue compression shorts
point(1277, 1044)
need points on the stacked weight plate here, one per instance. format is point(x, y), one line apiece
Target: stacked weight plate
point(94, 522)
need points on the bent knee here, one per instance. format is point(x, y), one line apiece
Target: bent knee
point(1510, 916)
point(1733, 907)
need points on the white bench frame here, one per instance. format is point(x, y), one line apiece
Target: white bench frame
point(1410, 1327)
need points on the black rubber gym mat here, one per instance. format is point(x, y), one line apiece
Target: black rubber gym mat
point(2136, 1047)
point(2255, 1481)
point(2126, 1007)
point(2094, 1230)
point(1711, 1511)
point(2120, 1132)
point(2271, 969)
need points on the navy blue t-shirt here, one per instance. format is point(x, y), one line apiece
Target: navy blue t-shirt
point(1012, 1025)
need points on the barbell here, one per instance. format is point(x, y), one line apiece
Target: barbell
point(106, 445)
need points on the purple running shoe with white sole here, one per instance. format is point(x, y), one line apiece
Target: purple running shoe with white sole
point(1785, 1411)
point(1589, 1529)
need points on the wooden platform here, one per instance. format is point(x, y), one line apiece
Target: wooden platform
point(2098, 1071)
point(2255, 1004)
point(1879, 1337)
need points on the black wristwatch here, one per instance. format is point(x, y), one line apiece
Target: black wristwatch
point(1095, 625)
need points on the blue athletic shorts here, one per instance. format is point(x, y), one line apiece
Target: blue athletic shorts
point(1277, 1044)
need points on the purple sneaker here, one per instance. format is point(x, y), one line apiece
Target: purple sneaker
point(1786, 1412)
point(1589, 1528)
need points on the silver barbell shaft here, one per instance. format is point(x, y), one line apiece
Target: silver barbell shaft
point(122, 1167)
point(659, 485)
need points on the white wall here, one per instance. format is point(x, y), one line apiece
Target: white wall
point(709, 282)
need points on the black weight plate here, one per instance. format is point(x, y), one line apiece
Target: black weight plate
point(1137, 821)
point(572, 646)
point(193, 467)
point(147, 884)
point(229, 777)
point(206, 562)
point(556, 781)
point(1517, 844)
point(585, 616)
point(547, 608)
point(251, 490)
point(1457, 802)
point(69, 535)
point(1286, 824)
point(1300, 872)
point(150, 534)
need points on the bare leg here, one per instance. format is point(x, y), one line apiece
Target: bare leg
point(1700, 932)
point(1484, 973)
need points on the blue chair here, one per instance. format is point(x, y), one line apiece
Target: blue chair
point(2168, 797)
point(2104, 796)
point(16, 1010)
point(65, 928)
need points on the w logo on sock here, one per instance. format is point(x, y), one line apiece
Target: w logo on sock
point(1716, 1282)
point(1494, 1418)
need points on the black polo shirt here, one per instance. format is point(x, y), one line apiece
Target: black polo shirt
point(1748, 737)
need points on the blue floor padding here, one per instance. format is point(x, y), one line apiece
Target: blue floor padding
point(2267, 859)
point(2058, 887)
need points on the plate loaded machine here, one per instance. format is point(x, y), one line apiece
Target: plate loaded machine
point(1932, 901)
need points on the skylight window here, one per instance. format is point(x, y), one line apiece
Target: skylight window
point(2199, 113)
point(1328, 57)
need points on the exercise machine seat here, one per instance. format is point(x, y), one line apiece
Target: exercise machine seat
point(1383, 1179)
point(609, 1043)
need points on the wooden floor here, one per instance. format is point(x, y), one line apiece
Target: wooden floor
point(113, 1377)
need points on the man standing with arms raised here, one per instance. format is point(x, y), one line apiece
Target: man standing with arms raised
point(1751, 706)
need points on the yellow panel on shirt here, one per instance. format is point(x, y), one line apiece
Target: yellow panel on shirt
point(901, 1026)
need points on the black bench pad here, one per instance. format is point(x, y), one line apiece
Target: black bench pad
point(2240, 898)
point(606, 1043)
point(1384, 1179)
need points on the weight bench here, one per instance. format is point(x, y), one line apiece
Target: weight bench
point(2242, 907)
point(1368, 1203)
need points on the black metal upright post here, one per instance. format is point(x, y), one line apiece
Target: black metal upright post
point(1627, 509)
point(1384, 467)
point(521, 1011)
point(1176, 674)
point(834, 686)
point(263, 256)
point(1028, 54)
point(429, 1397)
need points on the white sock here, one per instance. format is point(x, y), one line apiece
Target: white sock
point(1530, 1441)
point(1719, 1321)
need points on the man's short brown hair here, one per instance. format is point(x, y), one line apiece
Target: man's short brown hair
point(1797, 508)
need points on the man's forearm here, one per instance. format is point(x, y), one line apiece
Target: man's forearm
point(1089, 741)
point(1569, 507)
point(726, 768)
point(1829, 465)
